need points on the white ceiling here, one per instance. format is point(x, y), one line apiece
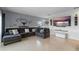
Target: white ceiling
point(38, 11)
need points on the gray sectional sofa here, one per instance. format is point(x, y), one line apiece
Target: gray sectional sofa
point(10, 37)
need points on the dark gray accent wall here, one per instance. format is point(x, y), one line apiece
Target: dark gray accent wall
point(10, 19)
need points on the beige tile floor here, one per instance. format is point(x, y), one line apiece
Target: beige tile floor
point(35, 43)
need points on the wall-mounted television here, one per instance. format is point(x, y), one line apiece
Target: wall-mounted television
point(62, 21)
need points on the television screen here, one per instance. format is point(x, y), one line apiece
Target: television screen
point(62, 21)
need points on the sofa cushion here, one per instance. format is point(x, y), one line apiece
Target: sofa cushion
point(11, 36)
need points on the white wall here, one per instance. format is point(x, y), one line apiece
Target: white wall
point(73, 31)
point(10, 19)
point(0, 25)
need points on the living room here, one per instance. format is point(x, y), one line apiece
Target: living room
point(39, 28)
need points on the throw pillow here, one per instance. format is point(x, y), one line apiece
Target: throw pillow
point(26, 30)
point(33, 30)
point(10, 32)
point(15, 31)
point(42, 30)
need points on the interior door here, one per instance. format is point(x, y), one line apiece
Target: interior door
point(3, 24)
